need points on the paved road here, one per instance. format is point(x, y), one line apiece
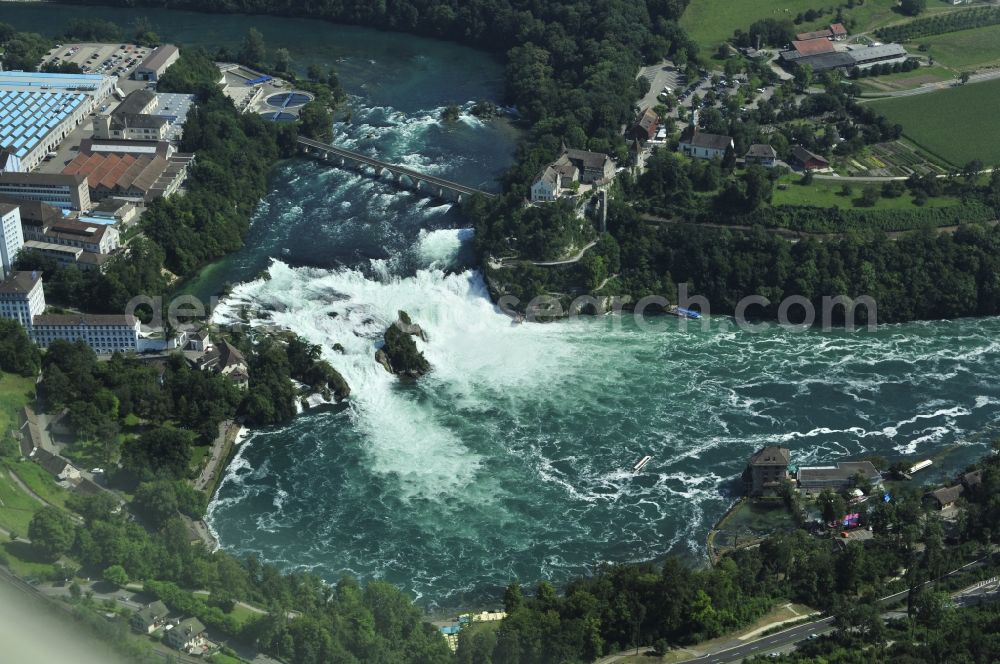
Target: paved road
point(859, 178)
point(215, 458)
point(20, 538)
point(881, 178)
point(574, 259)
point(507, 262)
point(31, 591)
point(794, 634)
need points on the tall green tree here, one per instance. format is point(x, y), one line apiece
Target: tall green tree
point(51, 532)
point(17, 352)
point(253, 51)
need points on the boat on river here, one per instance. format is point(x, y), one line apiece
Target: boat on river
point(683, 312)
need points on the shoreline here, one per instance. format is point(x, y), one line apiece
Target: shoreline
point(234, 436)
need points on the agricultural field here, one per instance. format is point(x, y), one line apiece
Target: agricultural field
point(893, 159)
point(828, 193)
point(956, 125)
point(908, 80)
point(711, 22)
point(964, 49)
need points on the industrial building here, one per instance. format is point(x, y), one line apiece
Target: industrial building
point(138, 178)
point(104, 334)
point(65, 191)
point(81, 241)
point(821, 55)
point(22, 297)
point(38, 111)
point(157, 62)
point(814, 479)
point(870, 56)
point(114, 211)
point(133, 120)
point(11, 239)
point(9, 162)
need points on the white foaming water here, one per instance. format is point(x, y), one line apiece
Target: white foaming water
point(470, 345)
point(439, 249)
point(513, 457)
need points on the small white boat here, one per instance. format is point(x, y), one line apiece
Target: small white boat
point(642, 462)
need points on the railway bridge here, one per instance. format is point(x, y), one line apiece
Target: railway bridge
point(404, 177)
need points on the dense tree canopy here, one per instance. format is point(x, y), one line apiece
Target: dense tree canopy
point(17, 352)
point(51, 532)
point(164, 452)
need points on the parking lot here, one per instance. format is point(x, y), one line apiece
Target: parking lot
point(108, 59)
point(660, 76)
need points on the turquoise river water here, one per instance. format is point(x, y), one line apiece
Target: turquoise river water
point(512, 458)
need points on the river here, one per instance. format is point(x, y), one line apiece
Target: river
point(512, 458)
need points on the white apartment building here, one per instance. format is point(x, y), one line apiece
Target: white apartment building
point(104, 334)
point(11, 237)
point(22, 297)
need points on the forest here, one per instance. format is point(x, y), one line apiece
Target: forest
point(919, 275)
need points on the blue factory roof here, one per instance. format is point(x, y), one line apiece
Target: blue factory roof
point(39, 79)
point(26, 117)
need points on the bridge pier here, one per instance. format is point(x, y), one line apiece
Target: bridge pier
point(402, 176)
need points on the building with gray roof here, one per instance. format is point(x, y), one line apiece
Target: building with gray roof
point(702, 145)
point(133, 120)
point(869, 56)
point(840, 476)
point(157, 62)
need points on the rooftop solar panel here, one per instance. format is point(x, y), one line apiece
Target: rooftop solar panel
point(26, 117)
